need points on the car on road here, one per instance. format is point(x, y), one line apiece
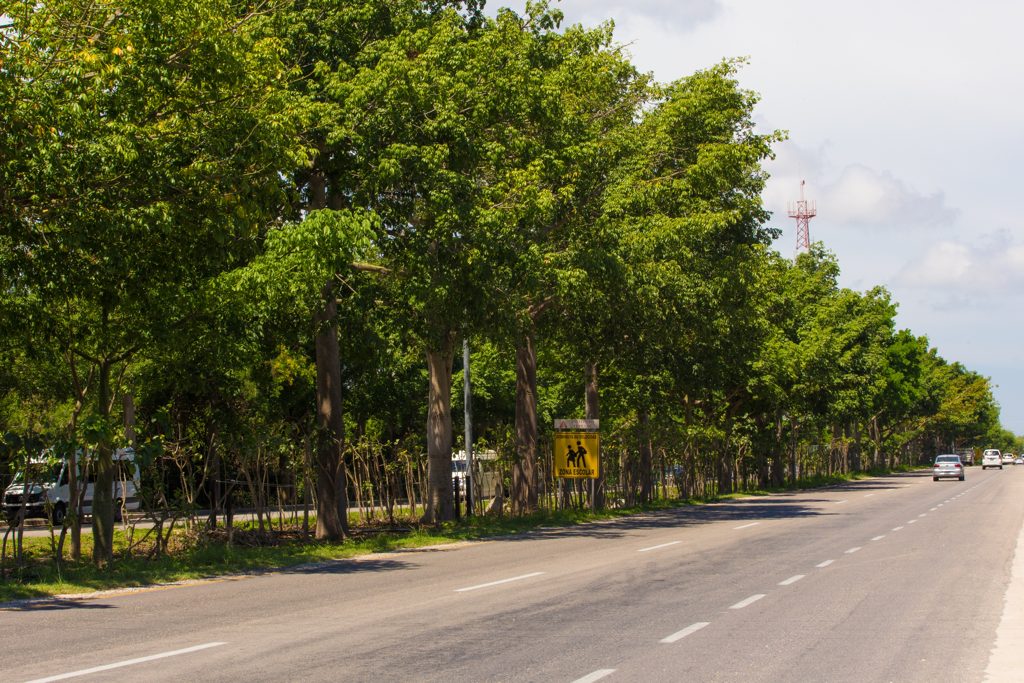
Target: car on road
point(947, 466)
point(1019, 460)
point(1007, 458)
point(991, 458)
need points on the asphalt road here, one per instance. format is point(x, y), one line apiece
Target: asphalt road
point(889, 579)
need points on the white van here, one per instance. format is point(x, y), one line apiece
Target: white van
point(48, 492)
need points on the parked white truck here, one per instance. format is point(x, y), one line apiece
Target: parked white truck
point(42, 489)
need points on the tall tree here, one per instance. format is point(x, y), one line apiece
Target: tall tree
point(149, 135)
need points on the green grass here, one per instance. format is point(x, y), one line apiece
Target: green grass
point(202, 556)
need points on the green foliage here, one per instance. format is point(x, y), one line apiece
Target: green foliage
point(184, 186)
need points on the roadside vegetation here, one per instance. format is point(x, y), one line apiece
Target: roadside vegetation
point(198, 553)
point(251, 241)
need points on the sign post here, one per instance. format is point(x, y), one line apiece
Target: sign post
point(577, 450)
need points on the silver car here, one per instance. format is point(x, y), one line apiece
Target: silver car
point(947, 466)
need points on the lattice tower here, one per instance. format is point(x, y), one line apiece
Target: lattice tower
point(803, 211)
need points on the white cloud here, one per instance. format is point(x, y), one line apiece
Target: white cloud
point(856, 195)
point(865, 197)
point(677, 15)
point(966, 272)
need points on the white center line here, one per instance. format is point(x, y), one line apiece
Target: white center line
point(878, 538)
point(596, 676)
point(852, 550)
point(749, 601)
point(127, 662)
point(791, 580)
point(497, 583)
point(825, 563)
point(747, 526)
point(679, 635)
point(896, 528)
point(655, 547)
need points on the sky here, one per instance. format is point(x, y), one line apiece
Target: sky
point(904, 118)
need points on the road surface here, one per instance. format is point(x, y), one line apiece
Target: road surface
point(889, 579)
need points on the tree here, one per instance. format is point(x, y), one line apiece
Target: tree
point(143, 139)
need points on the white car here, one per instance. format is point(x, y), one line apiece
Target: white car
point(991, 458)
point(1007, 458)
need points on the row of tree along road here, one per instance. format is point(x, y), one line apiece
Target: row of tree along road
point(247, 239)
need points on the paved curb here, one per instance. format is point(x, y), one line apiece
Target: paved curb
point(1006, 662)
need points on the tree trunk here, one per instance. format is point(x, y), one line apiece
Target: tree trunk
point(103, 491)
point(646, 471)
point(524, 476)
point(331, 489)
point(439, 504)
point(593, 412)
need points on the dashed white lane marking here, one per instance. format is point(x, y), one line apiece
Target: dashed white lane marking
point(934, 509)
point(679, 635)
point(923, 514)
point(824, 564)
point(878, 538)
point(940, 505)
point(791, 580)
point(852, 550)
point(868, 495)
point(840, 502)
point(498, 583)
point(596, 676)
point(127, 662)
point(896, 528)
point(656, 547)
point(911, 521)
point(747, 526)
point(749, 601)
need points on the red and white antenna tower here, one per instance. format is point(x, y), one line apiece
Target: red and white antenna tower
point(803, 211)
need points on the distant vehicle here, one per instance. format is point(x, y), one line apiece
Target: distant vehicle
point(1019, 460)
point(947, 466)
point(43, 489)
point(991, 458)
point(966, 456)
point(1007, 458)
point(459, 474)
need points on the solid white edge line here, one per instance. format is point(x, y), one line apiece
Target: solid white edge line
point(791, 580)
point(749, 601)
point(596, 676)
point(826, 563)
point(852, 550)
point(127, 662)
point(498, 583)
point(746, 526)
point(679, 635)
point(655, 547)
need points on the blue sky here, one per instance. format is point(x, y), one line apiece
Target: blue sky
point(904, 119)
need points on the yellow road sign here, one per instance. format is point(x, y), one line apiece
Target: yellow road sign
point(576, 455)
